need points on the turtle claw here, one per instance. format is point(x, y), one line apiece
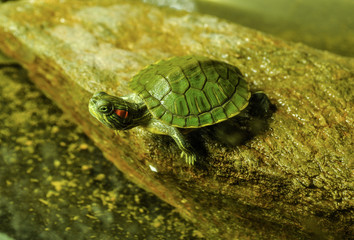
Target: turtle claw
point(120, 133)
point(190, 157)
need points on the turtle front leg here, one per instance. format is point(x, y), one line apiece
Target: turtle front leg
point(187, 150)
point(158, 127)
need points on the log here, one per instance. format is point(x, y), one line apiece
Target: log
point(292, 181)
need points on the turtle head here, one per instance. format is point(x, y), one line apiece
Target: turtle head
point(114, 112)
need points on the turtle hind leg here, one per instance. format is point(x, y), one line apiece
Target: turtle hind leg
point(158, 127)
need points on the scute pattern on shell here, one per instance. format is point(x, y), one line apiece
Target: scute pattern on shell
point(192, 91)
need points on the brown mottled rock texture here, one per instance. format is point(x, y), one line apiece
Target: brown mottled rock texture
point(293, 181)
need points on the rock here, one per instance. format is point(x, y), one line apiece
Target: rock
point(293, 181)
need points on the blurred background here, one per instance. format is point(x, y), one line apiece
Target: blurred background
point(322, 24)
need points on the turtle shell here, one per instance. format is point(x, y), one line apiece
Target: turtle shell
point(192, 91)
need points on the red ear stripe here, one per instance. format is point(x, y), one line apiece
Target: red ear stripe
point(121, 113)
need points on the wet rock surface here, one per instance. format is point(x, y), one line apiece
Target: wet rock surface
point(292, 181)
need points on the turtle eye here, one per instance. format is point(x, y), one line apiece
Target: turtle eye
point(105, 109)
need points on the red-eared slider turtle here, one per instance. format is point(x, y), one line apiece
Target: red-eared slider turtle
point(180, 92)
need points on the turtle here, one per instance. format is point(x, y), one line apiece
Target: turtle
point(177, 93)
